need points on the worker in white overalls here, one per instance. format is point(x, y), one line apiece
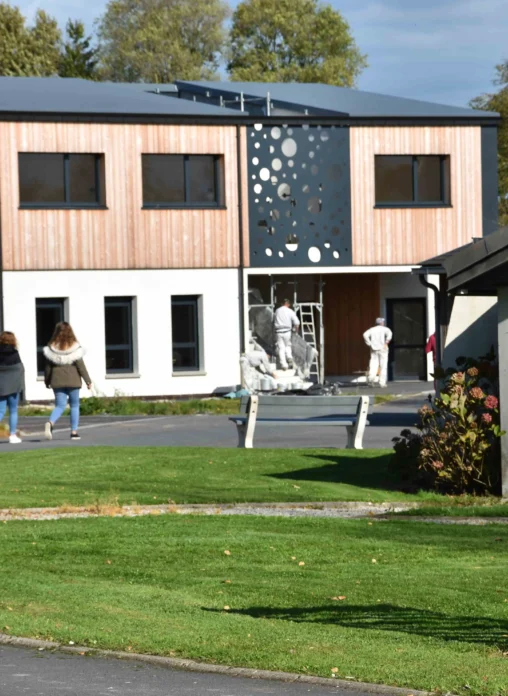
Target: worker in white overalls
point(285, 322)
point(378, 338)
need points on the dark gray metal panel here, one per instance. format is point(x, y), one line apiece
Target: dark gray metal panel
point(490, 186)
point(299, 196)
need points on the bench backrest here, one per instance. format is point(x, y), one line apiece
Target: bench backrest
point(304, 406)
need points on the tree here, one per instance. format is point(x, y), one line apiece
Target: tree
point(78, 57)
point(28, 51)
point(499, 102)
point(161, 40)
point(293, 41)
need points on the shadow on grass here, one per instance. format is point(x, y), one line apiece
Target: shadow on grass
point(365, 472)
point(389, 617)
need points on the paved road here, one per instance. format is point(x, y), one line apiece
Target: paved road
point(213, 431)
point(25, 672)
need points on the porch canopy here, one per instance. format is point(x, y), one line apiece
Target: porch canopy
point(481, 268)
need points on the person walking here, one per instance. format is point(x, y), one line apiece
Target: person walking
point(12, 382)
point(64, 372)
point(285, 322)
point(377, 338)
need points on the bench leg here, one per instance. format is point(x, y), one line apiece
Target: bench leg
point(246, 430)
point(353, 440)
point(241, 429)
point(355, 432)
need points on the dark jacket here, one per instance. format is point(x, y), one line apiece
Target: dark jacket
point(65, 368)
point(12, 372)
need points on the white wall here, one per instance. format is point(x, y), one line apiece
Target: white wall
point(400, 286)
point(153, 289)
point(473, 328)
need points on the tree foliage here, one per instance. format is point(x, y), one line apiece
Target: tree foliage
point(293, 41)
point(161, 40)
point(498, 101)
point(26, 51)
point(78, 57)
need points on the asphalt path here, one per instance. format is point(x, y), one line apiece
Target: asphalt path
point(386, 422)
point(26, 672)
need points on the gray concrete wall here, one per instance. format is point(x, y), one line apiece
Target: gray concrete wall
point(472, 331)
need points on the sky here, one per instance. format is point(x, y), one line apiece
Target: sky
point(443, 51)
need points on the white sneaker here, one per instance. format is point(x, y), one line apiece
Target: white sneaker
point(14, 440)
point(48, 431)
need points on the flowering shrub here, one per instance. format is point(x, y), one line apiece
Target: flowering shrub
point(456, 444)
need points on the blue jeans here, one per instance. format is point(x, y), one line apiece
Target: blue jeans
point(12, 402)
point(61, 396)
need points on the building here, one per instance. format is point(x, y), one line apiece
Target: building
point(155, 217)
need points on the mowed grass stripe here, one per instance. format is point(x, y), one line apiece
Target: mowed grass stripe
point(129, 475)
point(424, 606)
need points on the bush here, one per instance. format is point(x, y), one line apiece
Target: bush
point(455, 448)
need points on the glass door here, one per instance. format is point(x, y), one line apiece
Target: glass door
point(407, 320)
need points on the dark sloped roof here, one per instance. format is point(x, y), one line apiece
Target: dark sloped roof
point(339, 100)
point(39, 95)
point(479, 267)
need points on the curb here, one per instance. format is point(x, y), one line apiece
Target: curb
point(203, 667)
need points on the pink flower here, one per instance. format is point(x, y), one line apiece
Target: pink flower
point(473, 372)
point(491, 402)
point(437, 465)
point(487, 418)
point(477, 393)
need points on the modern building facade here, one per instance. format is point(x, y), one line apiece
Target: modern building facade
point(154, 217)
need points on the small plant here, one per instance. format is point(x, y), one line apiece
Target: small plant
point(456, 444)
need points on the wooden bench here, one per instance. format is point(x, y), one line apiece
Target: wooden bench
point(348, 411)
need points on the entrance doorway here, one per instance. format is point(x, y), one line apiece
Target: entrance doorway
point(407, 320)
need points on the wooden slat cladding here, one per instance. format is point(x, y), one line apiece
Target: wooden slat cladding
point(124, 235)
point(395, 236)
point(351, 305)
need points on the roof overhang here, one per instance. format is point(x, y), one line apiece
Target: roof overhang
point(478, 268)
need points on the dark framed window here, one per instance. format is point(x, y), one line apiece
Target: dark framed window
point(118, 317)
point(182, 181)
point(185, 323)
point(48, 312)
point(50, 180)
point(412, 180)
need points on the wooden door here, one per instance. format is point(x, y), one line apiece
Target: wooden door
point(351, 305)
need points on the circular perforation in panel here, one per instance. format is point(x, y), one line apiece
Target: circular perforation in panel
point(314, 254)
point(289, 147)
point(276, 133)
point(314, 205)
point(291, 242)
point(284, 191)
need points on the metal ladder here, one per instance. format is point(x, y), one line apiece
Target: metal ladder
point(308, 325)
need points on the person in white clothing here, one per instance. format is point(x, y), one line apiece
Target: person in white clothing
point(285, 322)
point(378, 338)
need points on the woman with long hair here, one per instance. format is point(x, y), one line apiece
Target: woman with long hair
point(12, 381)
point(64, 373)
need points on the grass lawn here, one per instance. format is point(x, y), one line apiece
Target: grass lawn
point(304, 595)
point(86, 476)
point(469, 508)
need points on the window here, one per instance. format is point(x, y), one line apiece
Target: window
point(412, 180)
point(182, 181)
point(48, 312)
point(60, 180)
point(118, 316)
point(186, 335)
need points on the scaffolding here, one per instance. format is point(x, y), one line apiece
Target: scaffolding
point(310, 315)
